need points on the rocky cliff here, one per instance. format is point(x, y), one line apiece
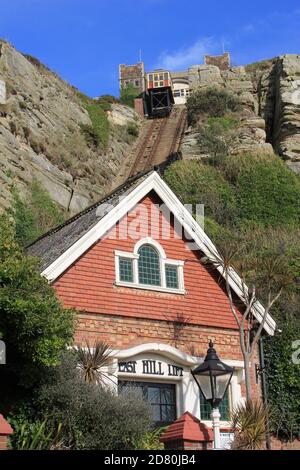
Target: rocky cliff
point(270, 117)
point(46, 134)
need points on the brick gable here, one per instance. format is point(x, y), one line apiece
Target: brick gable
point(88, 284)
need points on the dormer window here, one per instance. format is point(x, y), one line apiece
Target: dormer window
point(148, 268)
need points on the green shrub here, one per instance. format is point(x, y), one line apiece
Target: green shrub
point(150, 440)
point(100, 123)
point(128, 95)
point(213, 102)
point(283, 379)
point(105, 101)
point(90, 135)
point(266, 189)
point(35, 215)
point(92, 417)
point(196, 183)
point(212, 141)
point(133, 130)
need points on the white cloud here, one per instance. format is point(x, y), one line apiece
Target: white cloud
point(191, 55)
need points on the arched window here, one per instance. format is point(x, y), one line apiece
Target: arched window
point(149, 266)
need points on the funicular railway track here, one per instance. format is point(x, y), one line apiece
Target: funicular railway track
point(162, 140)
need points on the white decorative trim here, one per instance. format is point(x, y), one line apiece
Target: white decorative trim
point(168, 351)
point(133, 285)
point(193, 229)
point(149, 241)
point(163, 262)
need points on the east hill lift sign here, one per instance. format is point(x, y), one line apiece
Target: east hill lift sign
point(150, 367)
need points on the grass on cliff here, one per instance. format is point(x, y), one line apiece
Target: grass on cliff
point(241, 189)
point(99, 132)
point(34, 215)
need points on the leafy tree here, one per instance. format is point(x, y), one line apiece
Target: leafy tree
point(33, 323)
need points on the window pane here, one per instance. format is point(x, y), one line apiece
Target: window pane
point(205, 407)
point(125, 270)
point(148, 264)
point(171, 276)
point(161, 398)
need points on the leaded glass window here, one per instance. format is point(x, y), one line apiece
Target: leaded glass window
point(125, 270)
point(206, 409)
point(171, 276)
point(149, 266)
point(161, 398)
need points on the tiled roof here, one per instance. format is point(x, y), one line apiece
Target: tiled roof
point(55, 242)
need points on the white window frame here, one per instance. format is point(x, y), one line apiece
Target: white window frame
point(163, 261)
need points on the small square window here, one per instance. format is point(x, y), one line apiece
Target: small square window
point(171, 276)
point(125, 270)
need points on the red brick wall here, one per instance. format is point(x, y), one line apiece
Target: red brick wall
point(3, 442)
point(125, 332)
point(276, 444)
point(89, 284)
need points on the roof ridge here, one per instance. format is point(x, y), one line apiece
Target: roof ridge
point(88, 209)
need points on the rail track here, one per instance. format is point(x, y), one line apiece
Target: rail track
point(162, 140)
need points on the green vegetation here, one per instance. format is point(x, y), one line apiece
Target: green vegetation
point(100, 123)
point(283, 379)
point(252, 209)
point(133, 130)
point(98, 133)
point(34, 215)
point(33, 323)
point(248, 424)
point(105, 101)
point(88, 416)
point(215, 135)
point(35, 435)
point(211, 102)
point(128, 94)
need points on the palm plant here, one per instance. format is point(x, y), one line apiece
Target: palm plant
point(93, 362)
point(248, 422)
point(37, 436)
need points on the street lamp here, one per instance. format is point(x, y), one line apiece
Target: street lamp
point(213, 377)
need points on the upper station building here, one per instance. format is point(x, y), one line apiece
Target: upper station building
point(182, 82)
point(132, 265)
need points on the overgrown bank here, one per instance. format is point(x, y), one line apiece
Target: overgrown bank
point(252, 210)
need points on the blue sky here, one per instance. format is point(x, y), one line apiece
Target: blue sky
point(85, 40)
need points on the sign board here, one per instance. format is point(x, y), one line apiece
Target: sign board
point(150, 367)
point(226, 439)
point(2, 92)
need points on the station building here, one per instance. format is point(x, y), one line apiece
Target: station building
point(182, 83)
point(132, 265)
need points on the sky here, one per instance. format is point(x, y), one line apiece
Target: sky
point(85, 40)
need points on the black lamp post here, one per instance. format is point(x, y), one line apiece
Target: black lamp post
point(213, 377)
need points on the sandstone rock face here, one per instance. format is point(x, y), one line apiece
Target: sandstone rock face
point(270, 95)
point(41, 137)
point(286, 121)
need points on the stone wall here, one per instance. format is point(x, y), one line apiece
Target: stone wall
point(221, 61)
